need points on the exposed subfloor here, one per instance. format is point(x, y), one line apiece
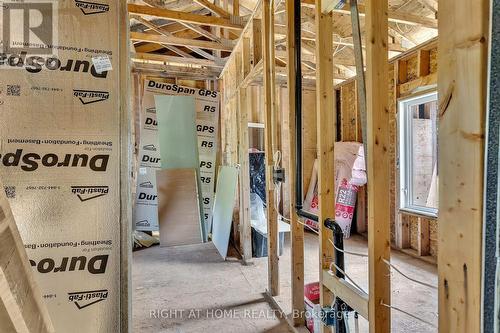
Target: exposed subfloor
point(225, 296)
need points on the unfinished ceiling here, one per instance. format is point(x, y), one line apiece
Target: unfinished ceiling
point(193, 39)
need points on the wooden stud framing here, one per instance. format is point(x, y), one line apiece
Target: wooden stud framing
point(402, 225)
point(462, 87)
point(326, 127)
point(269, 109)
point(297, 230)
point(424, 57)
point(245, 226)
point(423, 247)
point(379, 169)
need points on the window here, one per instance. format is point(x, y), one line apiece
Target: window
point(418, 147)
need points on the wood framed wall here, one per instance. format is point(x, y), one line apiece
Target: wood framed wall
point(406, 74)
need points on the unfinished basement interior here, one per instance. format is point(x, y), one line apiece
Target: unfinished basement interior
point(249, 166)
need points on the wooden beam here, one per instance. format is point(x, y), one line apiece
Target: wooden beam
point(236, 8)
point(378, 141)
point(360, 70)
point(311, 37)
point(269, 112)
point(162, 32)
point(172, 40)
point(423, 240)
point(462, 89)
point(423, 65)
point(296, 229)
point(173, 70)
point(138, 56)
point(357, 299)
point(244, 107)
point(213, 8)
point(409, 87)
point(203, 32)
point(183, 17)
point(430, 4)
point(393, 16)
point(326, 127)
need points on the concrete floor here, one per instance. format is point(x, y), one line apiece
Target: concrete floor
point(188, 288)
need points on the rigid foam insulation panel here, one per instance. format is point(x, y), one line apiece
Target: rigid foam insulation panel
point(60, 153)
point(178, 208)
point(21, 305)
point(225, 197)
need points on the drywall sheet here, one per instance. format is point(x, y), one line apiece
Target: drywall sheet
point(178, 212)
point(60, 153)
point(21, 304)
point(207, 115)
point(223, 207)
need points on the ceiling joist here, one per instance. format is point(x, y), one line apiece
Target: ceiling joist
point(172, 40)
point(183, 17)
point(214, 8)
point(142, 57)
point(394, 16)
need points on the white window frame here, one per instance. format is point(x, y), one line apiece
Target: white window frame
point(406, 153)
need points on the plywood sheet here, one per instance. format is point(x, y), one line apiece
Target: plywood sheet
point(223, 207)
point(178, 207)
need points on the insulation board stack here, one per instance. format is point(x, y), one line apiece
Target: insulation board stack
point(207, 115)
point(60, 152)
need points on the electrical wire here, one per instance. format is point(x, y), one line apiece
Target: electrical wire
point(346, 275)
point(388, 264)
point(349, 252)
point(406, 276)
point(408, 314)
point(308, 227)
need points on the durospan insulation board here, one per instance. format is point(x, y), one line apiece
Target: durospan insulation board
point(207, 115)
point(60, 153)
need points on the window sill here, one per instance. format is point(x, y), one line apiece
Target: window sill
point(418, 213)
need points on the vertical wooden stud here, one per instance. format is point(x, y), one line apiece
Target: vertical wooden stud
point(462, 87)
point(424, 58)
point(326, 109)
point(269, 110)
point(423, 247)
point(378, 141)
point(297, 230)
point(244, 181)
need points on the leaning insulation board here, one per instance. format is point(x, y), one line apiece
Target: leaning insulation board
point(223, 207)
point(21, 305)
point(207, 115)
point(60, 153)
